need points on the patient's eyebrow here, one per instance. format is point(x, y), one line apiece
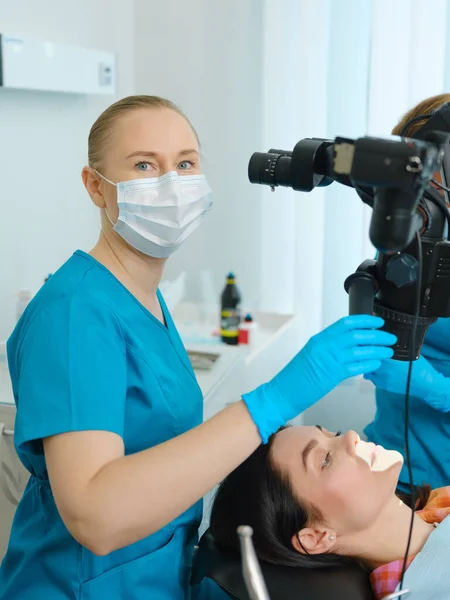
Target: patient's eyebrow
point(307, 450)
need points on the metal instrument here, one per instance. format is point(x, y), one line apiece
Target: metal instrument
point(251, 570)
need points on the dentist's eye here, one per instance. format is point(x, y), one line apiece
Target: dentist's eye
point(186, 165)
point(144, 165)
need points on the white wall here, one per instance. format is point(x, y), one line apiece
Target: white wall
point(45, 212)
point(207, 58)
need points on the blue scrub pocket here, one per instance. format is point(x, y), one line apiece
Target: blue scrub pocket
point(161, 575)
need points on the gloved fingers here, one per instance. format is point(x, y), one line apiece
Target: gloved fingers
point(373, 337)
point(363, 367)
point(359, 353)
point(353, 322)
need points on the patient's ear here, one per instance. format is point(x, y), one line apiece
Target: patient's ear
point(314, 540)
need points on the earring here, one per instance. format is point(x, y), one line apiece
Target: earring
point(331, 538)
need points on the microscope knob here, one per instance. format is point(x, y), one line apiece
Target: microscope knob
point(402, 270)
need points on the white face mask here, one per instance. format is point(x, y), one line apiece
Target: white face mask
point(157, 214)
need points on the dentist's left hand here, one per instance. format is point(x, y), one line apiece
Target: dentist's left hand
point(354, 345)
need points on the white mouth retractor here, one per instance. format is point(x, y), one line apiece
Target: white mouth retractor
point(377, 457)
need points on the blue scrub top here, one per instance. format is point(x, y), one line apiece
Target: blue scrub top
point(86, 355)
point(429, 437)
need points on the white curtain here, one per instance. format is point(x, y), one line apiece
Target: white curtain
point(294, 106)
point(410, 60)
point(316, 63)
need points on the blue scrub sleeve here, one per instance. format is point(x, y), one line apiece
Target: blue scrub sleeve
point(71, 372)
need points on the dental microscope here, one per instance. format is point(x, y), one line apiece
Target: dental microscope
point(409, 224)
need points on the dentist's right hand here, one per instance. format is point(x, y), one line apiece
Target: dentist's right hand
point(354, 345)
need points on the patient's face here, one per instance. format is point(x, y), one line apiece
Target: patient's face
point(325, 470)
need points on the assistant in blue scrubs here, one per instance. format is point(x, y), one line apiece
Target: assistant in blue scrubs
point(429, 427)
point(429, 417)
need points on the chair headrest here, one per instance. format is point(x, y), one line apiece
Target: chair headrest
point(283, 583)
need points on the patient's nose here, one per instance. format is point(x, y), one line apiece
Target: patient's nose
point(351, 438)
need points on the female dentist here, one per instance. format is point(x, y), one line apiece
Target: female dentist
point(109, 414)
point(429, 405)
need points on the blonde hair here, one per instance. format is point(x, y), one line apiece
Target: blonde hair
point(425, 107)
point(102, 128)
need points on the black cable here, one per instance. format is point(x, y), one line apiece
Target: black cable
point(441, 185)
point(442, 205)
point(408, 387)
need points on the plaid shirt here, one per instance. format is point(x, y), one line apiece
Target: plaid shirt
point(386, 578)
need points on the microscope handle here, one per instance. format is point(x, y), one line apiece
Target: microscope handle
point(361, 288)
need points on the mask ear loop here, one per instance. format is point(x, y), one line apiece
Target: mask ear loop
point(115, 185)
point(105, 178)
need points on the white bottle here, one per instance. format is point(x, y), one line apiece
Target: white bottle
point(23, 299)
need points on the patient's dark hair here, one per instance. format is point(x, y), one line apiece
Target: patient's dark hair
point(421, 496)
point(258, 494)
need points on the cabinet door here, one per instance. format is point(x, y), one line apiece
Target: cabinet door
point(9, 457)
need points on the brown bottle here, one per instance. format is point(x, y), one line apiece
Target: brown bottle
point(230, 316)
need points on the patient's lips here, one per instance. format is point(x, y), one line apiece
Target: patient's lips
point(377, 457)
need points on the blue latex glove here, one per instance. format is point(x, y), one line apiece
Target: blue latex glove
point(426, 383)
point(352, 346)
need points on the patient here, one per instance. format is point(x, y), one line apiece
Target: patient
point(318, 499)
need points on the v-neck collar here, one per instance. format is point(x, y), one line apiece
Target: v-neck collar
point(168, 326)
point(167, 321)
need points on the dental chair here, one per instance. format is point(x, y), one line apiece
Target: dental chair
point(283, 583)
